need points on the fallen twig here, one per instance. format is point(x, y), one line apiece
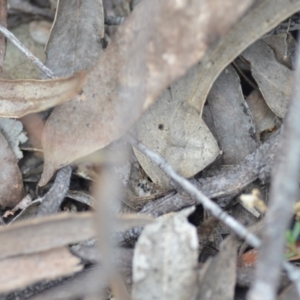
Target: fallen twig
point(29, 55)
point(239, 229)
point(53, 199)
point(283, 195)
point(230, 183)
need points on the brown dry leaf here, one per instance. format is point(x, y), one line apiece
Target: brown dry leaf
point(165, 252)
point(21, 97)
point(232, 120)
point(275, 80)
point(175, 130)
point(137, 66)
point(261, 18)
point(21, 271)
point(11, 183)
point(218, 280)
point(41, 234)
point(263, 117)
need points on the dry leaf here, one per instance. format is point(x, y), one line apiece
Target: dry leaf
point(275, 80)
point(261, 18)
point(21, 271)
point(21, 97)
point(29, 211)
point(11, 183)
point(218, 280)
point(137, 66)
point(284, 47)
point(175, 130)
point(263, 117)
point(41, 234)
point(232, 120)
point(78, 29)
point(165, 252)
point(14, 134)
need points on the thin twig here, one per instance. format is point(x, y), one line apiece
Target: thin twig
point(200, 198)
point(53, 199)
point(29, 55)
point(228, 184)
point(3, 21)
point(283, 195)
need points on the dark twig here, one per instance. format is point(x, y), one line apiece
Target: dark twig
point(215, 210)
point(222, 187)
point(29, 55)
point(283, 195)
point(199, 197)
point(114, 20)
point(53, 199)
point(257, 165)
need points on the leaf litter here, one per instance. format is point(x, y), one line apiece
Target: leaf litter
point(83, 125)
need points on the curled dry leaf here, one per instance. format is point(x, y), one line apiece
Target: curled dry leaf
point(21, 97)
point(232, 120)
point(11, 183)
point(41, 234)
point(165, 252)
point(176, 131)
point(275, 80)
point(261, 18)
point(21, 271)
point(144, 58)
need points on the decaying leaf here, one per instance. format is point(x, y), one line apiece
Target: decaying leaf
point(41, 234)
point(284, 47)
point(263, 117)
point(21, 97)
point(78, 29)
point(218, 280)
point(21, 271)
point(45, 233)
point(261, 18)
point(233, 123)
point(144, 58)
point(14, 134)
point(165, 252)
point(11, 183)
point(29, 211)
point(275, 80)
point(175, 130)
